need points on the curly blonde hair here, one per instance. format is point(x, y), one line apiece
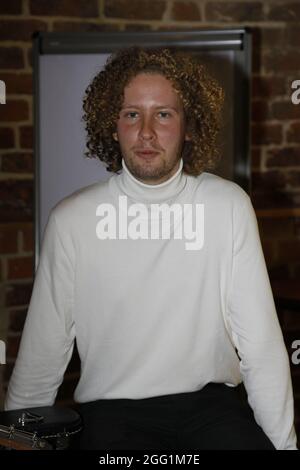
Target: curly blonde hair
point(201, 95)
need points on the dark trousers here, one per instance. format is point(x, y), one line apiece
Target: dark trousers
point(217, 417)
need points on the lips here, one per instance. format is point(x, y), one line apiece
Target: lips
point(146, 152)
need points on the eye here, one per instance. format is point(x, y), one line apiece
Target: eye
point(164, 114)
point(131, 114)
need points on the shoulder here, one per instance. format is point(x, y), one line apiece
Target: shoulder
point(215, 188)
point(72, 213)
point(76, 203)
point(228, 204)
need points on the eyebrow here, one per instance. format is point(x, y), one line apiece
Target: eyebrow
point(156, 107)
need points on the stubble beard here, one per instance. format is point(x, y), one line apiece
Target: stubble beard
point(151, 172)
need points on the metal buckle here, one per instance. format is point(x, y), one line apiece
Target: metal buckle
point(27, 417)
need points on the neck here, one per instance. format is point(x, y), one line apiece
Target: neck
point(148, 193)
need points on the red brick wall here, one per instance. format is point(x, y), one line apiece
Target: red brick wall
point(275, 125)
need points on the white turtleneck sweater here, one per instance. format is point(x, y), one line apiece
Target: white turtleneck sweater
point(150, 316)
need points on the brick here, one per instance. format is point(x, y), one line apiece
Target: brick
point(16, 200)
point(17, 319)
point(20, 268)
point(290, 249)
point(293, 178)
point(289, 156)
point(273, 228)
point(285, 61)
point(284, 12)
point(8, 239)
point(26, 137)
point(135, 9)
point(294, 199)
point(256, 37)
point(30, 57)
point(185, 11)
point(291, 319)
point(266, 134)
point(268, 180)
point(17, 162)
point(179, 27)
point(7, 137)
point(278, 272)
point(14, 110)
point(293, 132)
point(79, 26)
point(271, 36)
point(293, 35)
point(12, 346)
point(79, 8)
point(259, 110)
point(13, 7)
point(256, 61)
point(18, 294)
point(265, 37)
point(20, 30)
point(285, 110)
point(256, 157)
point(234, 11)
point(297, 272)
point(11, 58)
point(17, 83)
point(275, 199)
point(28, 238)
point(297, 227)
point(137, 27)
point(265, 87)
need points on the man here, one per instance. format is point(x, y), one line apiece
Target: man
point(159, 274)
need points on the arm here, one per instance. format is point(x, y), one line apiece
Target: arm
point(48, 336)
point(256, 332)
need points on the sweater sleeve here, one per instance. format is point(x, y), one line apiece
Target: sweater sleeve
point(48, 336)
point(264, 362)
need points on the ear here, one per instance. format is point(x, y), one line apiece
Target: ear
point(187, 137)
point(115, 136)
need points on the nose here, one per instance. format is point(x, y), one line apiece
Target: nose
point(147, 130)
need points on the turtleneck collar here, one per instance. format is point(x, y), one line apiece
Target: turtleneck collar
point(151, 193)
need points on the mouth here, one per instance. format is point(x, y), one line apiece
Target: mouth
point(146, 153)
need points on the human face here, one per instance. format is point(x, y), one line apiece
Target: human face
point(151, 128)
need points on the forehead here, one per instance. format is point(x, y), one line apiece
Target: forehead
point(150, 85)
